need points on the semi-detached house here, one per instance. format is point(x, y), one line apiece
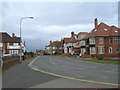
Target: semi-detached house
point(72, 44)
point(10, 45)
point(55, 47)
point(103, 40)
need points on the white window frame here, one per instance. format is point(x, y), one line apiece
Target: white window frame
point(1, 44)
point(13, 52)
point(117, 40)
point(110, 40)
point(110, 50)
point(101, 49)
point(15, 44)
point(92, 40)
point(92, 50)
point(82, 43)
point(101, 40)
point(83, 50)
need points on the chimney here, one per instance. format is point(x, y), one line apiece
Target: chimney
point(50, 42)
point(72, 34)
point(13, 35)
point(96, 23)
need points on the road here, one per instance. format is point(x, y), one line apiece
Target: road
point(76, 69)
point(60, 72)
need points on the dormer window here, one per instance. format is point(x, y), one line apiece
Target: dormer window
point(116, 31)
point(95, 30)
point(105, 29)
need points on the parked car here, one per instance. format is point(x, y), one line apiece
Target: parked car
point(75, 53)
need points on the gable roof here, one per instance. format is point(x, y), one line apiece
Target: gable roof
point(70, 40)
point(66, 40)
point(103, 30)
point(4, 37)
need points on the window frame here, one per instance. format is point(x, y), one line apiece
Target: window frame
point(101, 49)
point(92, 40)
point(1, 44)
point(92, 50)
point(117, 40)
point(101, 40)
point(109, 50)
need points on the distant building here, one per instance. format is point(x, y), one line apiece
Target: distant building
point(39, 52)
point(10, 45)
point(72, 44)
point(55, 47)
point(102, 40)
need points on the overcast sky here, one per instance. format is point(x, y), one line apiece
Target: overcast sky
point(55, 20)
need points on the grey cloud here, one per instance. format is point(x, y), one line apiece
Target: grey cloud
point(52, 21)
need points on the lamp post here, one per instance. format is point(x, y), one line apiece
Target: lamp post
point(21, 37)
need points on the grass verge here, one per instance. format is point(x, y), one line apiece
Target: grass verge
point(98, 61)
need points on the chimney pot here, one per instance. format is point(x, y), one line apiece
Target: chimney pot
point(96, 22)
point(50, 42)
point(72, 34)
point(13, 35)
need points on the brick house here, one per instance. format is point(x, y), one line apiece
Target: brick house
point(10, 45)
point(54, 47)
point(103, 40)
point(69, 43)
point(72, 45)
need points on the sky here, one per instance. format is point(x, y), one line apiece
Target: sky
point(54, 20)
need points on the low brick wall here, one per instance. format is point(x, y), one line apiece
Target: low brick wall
point(86, 56)
point(112, 57)
point(9, 61)
point(65, 54)
point(28, 56)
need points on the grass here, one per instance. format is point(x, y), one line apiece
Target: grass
point(98, 61)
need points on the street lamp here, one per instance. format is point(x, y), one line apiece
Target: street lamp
point(21, 37)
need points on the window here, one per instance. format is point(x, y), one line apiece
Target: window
point(92, 50)
point(101, 49)
point(91, 40)
point(77, 44)
point(116, 31)
point(118, 50)
point(117, 40)
point(110, 40)
point(110, 50)
point(82, 43)
point(15, 44)
point(1, 44)
point(105, 29)
point(83, 50)
point(54, 47)
point(101, 40)
point(13, 52)
point(95, 30)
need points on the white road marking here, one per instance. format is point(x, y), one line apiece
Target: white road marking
point(52, 61)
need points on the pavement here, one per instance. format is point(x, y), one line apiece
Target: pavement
point(60, 72)
point(21, 76)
